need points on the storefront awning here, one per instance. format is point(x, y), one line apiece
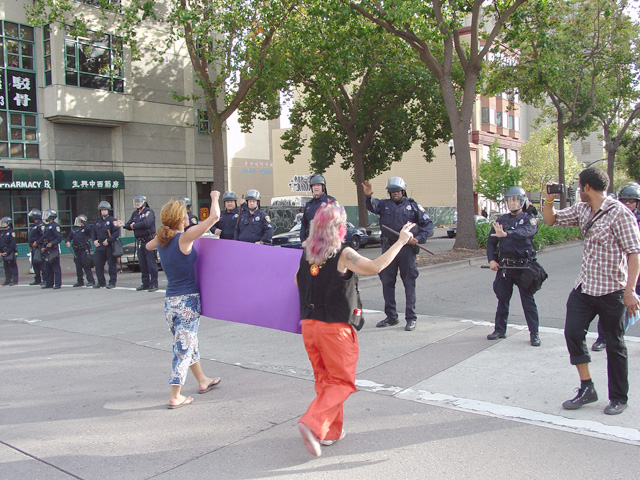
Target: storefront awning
point(31, 179)
point(88, 180)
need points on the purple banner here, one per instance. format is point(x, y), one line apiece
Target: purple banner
point(248, 283)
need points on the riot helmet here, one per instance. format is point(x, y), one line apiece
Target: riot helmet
point(515, 198)
point(35, 214)
point(6, 222)
point(104, 205)
point(80, 221)
point(317, 179)
point(139, 201)
point(629, 191)
point(49, 214)
point(229, 196)
point(186, 201)
point(252, 194)
point(396, 184)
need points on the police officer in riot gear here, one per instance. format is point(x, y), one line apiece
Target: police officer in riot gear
point(193, 220)
point(395, 212)
point(79, 240)
point(51, 250)
point(143, 224)
point(226, 226)
point(629, 194)
point(253, 224)
point(8, 251)
point(105, 231)
point(319, 191)
point(510, 244)
point(34, 238)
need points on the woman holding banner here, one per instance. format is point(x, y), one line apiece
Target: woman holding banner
point(331, 311)
point(182, 299)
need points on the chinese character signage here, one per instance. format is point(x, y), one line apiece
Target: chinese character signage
point(21, 91)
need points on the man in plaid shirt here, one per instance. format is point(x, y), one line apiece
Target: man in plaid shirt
point(605, 285)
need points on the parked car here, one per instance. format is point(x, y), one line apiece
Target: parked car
point(356, 237)
point(373, 230)
point(129, 258)
point(451, 231)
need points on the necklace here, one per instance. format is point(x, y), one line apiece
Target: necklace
point(315, 269)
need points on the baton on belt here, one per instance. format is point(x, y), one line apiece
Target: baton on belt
point(506, 267)
point(417, 244)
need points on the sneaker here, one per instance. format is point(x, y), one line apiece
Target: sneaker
point(387, 322)
point(142, 287)
point(328, 443)
point(495, 335)
point(411, 326)
point(585, 395)
point(534, 338)
point(153, 289)
point(311, 443)
point(615, 407)
point(599, 345)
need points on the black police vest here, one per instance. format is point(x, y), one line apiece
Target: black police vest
point(328, 296)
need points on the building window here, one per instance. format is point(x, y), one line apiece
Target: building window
point(203, 121)
point(46, 51)
point(113, 5)
point(586, 148)
point(499, 119)
point(94, 62)
point(18, 203)
point(485, 114)
point(18, 101)
point(511, 120)
point(80, 202)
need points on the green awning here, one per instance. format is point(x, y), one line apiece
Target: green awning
point(88, 180)
point(32, 179)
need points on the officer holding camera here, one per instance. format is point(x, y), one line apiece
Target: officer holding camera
point(395, 212)
point(510, 245)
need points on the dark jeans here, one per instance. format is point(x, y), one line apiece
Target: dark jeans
point(148, 265)
point(405, 261)
point(503, 288)
point(103, 255)
point(581, 310)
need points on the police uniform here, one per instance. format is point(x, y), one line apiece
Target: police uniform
point(516, 249)
point(310, 209)
point(105, 229)
point(80, 239)
point(35, 234)
point(9, 247)
point(144, 229)
point(395, 216)
point(53, 236)
point(253, 227)
point(227, 224)
point(193, 220)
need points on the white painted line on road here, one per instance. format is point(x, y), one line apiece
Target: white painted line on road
point(581, 427)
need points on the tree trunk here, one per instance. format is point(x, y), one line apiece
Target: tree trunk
point(611, 158)
point(358, 174)
point(220, 182)
point(466, 231)
point(561, 127)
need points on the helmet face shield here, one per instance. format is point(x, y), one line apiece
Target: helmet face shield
point(139, 201)
point(396, 184)
point(49, 214)
point(80, 221)
point(35, 214)
point(514, 202)
point(4, 222)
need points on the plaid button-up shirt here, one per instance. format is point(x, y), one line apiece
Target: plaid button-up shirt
point(607, 244)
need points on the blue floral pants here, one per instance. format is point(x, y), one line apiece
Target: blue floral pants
point(183, 317)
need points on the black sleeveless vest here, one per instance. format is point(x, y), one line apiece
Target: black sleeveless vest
point(328, 296)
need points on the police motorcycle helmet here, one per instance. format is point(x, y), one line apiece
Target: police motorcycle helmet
point(317, 179)
point(104, 205)
point(139, 201)
point(49, 214)
point(629, 191)
point(396, 184)
point(80, 221)
point(6, 222)
point(253, 194)
point(35, 214)
point(518, 194)
point(186, 201)
point(229, 196)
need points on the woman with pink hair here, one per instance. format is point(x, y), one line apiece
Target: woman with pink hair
point(331, 313)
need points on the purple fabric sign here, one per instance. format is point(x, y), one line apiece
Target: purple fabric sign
point(248, 283)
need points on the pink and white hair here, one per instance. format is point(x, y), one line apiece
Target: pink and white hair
point(327, 233)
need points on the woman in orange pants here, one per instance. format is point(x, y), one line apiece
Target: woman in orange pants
point(331, 311)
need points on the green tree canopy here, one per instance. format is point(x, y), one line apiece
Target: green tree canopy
point(496, 175)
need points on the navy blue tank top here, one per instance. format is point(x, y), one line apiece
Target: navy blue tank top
point(178, 267)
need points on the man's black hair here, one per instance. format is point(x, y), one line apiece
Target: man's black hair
point(595, 178)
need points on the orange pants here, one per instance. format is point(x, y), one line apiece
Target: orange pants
point(333, 352)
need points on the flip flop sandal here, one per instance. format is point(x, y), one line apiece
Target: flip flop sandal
point(213, 383)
